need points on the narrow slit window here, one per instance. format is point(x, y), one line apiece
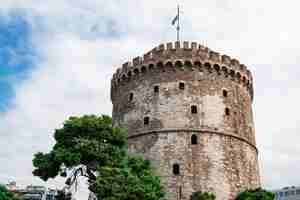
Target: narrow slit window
point(227, 111)
point(180, 192)
point(131, 96)
point(156, 89)
point(225, 93)
point(194, 139)
point(181, 86)
point(146, 120)
point(176, 169)
point(194, 109)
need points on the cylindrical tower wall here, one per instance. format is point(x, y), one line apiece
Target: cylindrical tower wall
point(190, 108)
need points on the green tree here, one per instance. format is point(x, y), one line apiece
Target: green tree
point(7, 195)
point(255, 194)
point(90, 146)
point(203, 196)
point(133, 181)
point(88, 141)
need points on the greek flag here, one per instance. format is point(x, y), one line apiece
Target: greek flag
point(174, 20)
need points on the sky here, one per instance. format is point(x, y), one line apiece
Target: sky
point(57, 58)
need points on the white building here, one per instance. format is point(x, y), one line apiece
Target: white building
point(287, 193)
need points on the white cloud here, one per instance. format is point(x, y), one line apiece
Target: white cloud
point(73, 76)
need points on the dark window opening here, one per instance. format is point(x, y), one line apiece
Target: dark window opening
point(227, 111)
point(143, 69)
point(130, 96)
point(151, 67)
point(225, 93)
point(193, 109)
point(180, 192)
point(181, 85)
point(176, 169)
point(156, 89)
point(178, 64)
point(135, 71)
point(146, 120)
point(194, 139)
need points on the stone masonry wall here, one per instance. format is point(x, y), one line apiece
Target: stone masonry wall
point(163, 86)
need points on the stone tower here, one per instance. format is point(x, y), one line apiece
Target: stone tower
point(188, 110)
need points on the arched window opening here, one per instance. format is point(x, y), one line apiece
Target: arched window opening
point(160, 65)
point(225, 93)
point(225, 71)
point(131, 96)
point(143, 69)
point(176, 169)
point(151, 67)
point(194, 139)
point(244, 79)
point(188, 63)
point(178, 64)
point(169, 64)
point(217, 67)
point(146, 120)
point(227, 111)
point(207, 65)
point(135, 71)
point(156, 89)
point(232, 73)
point(181, 86)
point(198, 64)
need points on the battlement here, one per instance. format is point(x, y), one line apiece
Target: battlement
point(186, 55)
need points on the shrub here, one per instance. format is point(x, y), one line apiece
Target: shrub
point(255, 194)
point(203, 196)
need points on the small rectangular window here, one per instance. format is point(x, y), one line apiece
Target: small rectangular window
point(194, 109)
point(156, 89)
point(227, 111)
point(176, 169)
point(181, 86)
point(194, 139)
point(131, 96)
point(146, 120)
point(225, 93)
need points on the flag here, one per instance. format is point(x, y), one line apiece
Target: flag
point(174, 20)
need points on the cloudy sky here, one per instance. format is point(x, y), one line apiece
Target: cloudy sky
point(57, 57)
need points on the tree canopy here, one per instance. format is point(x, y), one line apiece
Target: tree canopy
point(203, 196)
point(133, 181)
point(255, 194)
point(91, 141)
point(87, 140)
point(7, 195)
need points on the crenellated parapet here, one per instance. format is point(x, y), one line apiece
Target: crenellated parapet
point(185, 56)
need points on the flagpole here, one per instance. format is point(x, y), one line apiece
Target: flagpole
point(178, 24)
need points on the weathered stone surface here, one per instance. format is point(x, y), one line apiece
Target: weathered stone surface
point(224, 160)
